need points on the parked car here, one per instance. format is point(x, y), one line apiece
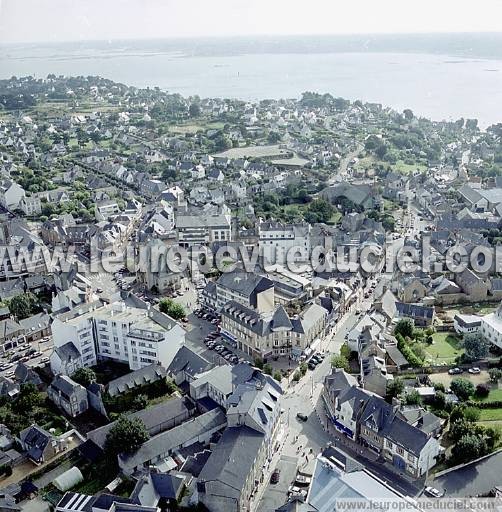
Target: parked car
point(433, 492)
point(302, 417)
point(455, 371)
point(475, 370)
point(312, 365)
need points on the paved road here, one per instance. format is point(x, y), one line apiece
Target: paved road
point(341, 173)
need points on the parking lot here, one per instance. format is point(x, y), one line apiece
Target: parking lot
point(220, 348)
point(32, 354)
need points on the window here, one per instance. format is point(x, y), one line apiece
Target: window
point(400, 450)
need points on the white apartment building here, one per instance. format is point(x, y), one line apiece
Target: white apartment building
point(201, 230)
point(276, 240)
point(491, 327)
point(135, 336)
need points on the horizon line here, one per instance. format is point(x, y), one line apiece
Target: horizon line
point(252, 36)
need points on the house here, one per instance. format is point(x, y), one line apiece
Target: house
point(26, 375)
point(68, 395)
point(407, 443)
point(36, 326)
point(65, 359)
point(466, 324)
point(422, 316)
point(272, 333)
point(156, 489)
point(229, 477)
point(187, 365)
point(11, 194)
point(10, 333)
point(39, 445)
point(152, 188)
point(31, 205)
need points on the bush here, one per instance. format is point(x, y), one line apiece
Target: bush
point(340, 362)
point(482, 390)
point(278, 376)
point(404, 328)
point(267, 368)
point(495, 375)
point(296, 376)
point(463, 388)
point(258, 362)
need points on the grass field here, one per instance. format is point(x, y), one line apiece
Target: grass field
point(445, 349)
point(495, 394)
point(490, 415)
point(405, 168)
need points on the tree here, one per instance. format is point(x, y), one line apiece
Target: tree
point(28, 398)
point(469, 447)
point(463, 388)
point(84, 376)
point(258, 362)
point(482, 390)
point(126, 436)
point(340, 362)
point(412, 398)
point(476, 347)
point(171, 308)
point(194, 110)
point(23, 306)
point(267, 368)
point(277, 376)
point(394, 388)
point(319, 210)
point(495, 375)
point(405, 328)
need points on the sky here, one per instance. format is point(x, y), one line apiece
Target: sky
point(81, 20)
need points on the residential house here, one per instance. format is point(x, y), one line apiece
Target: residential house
point(68, 395)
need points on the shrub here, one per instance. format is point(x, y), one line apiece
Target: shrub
point(463, 388)
point(482, 390)
point(296, 376)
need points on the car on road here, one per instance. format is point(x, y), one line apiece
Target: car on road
point(312, 365)
point(455, 371)
point(474, 371)
point(275, 476)
point(432, 492)
point(302, 417)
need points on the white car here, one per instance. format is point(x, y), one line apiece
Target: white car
point(474, 370)
point(433, 492)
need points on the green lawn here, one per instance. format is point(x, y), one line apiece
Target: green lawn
point(495, 394)
point(405, 168)
point(445, 349)
point(490, 415)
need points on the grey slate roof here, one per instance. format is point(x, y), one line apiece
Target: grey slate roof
point(233, 458)
point(65, 385)
point(67, 352)
point(151, 417)
point(145, 375)
point(174, 438)
point(188, 361)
